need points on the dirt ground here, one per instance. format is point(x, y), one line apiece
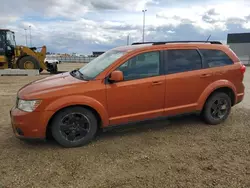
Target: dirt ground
point(181, 152)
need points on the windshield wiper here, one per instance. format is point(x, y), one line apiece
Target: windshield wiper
point(73, 72)
point(77, 73)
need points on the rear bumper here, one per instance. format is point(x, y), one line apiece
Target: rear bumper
point(28, 125)
point(239, 98)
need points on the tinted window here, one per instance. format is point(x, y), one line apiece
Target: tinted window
point(183, 60)
point(216, 58)
point(141, 66)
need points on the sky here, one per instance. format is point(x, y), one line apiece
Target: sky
point(83, 26)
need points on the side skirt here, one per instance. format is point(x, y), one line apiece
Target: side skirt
point(125, 125)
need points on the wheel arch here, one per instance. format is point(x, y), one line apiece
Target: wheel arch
point(229, 91)
point(219, 86)
point(84, 101)
point(97, 115)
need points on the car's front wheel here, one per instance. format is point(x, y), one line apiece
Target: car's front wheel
point(74, 126)
point(217, 108)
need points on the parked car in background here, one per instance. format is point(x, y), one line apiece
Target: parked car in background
point(130, 84)
point(52, 64)
point(50, 61)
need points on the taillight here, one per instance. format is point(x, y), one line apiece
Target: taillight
point(243, 69)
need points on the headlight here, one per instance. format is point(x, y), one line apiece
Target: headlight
point(28, 105)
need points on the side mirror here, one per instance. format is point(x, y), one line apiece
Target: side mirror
point(116, 76)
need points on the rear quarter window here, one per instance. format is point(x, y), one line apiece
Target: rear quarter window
point(215, 58)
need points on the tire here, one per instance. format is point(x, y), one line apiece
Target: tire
point(40, 70)
point(216, 112)
point(66, 129)
point(54, 68)
point(21, 63)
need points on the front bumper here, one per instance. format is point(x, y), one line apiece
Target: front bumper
point(28, 125)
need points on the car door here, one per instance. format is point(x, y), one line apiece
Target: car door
point(141, 94)
point(186, 79)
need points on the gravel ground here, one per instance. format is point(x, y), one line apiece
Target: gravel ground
point(181, 152)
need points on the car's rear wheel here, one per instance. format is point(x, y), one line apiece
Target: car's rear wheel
point(217, 108)
point(74, 127)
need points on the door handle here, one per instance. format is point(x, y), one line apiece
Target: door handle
point(157, 83)
point(205, 75)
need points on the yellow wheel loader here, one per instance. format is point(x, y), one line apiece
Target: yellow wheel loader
point(22, 57)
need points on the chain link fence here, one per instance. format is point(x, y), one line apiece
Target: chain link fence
point(71, 59)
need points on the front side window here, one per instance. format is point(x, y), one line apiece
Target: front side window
point(182, 61)
point(141, 66)
point(99, 64)
point(215, 58)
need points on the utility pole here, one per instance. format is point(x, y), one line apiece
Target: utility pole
point(25, 36)
point(128, 40)
point(143, 26)
point(30, 37)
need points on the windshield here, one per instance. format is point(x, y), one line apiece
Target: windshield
point(11, 38)
point(99, 64)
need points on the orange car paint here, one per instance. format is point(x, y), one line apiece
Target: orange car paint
point(128, 101)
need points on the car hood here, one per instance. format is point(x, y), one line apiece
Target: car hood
point(48, 84)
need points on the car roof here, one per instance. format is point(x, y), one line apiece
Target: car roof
point(132, 47)
point(174, 44)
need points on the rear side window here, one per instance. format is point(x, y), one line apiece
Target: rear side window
point(216, 58)
point(182, 60)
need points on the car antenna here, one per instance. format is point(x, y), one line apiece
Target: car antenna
point(208, 39)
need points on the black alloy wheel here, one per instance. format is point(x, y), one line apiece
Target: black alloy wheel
point(217, 108)
point(74, 126)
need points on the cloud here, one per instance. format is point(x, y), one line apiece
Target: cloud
point(85, 25)
point(210, 16)
point(81, 34)
point(103, 5)
point(67, 8)
point(7, 20)
point(129, 5)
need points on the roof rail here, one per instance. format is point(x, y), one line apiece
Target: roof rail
point(169, 42)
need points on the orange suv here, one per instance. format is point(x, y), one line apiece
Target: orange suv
point(129, 84)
